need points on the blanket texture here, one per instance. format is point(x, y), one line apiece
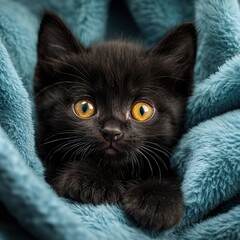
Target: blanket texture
point(207, 157)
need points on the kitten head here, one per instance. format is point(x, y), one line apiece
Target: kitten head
point(114, 101)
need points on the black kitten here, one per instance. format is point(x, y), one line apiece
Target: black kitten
point(108, 117)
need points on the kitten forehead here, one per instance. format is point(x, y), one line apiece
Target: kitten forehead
point(116, 67)
point(119, 48)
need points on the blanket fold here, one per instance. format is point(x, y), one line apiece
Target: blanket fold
point(207, 158)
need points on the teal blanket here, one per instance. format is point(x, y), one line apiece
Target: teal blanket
point(207, 157)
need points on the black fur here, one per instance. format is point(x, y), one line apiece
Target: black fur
point(114, 75)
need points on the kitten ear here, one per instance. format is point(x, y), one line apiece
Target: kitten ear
point(178, 51)
point(55, 38)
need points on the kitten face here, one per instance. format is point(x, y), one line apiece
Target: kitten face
point(113, 76)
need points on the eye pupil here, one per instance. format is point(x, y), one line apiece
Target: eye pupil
point(85, 107)
point(142, 110)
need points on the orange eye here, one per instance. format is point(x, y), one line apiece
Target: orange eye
point(142, 111)
point(84, 109)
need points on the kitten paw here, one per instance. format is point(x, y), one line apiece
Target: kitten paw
point(89, 184)
point(154, 205)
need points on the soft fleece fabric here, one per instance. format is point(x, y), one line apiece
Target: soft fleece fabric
point(207, 158)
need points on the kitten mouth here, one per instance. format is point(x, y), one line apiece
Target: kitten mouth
point(110, 151)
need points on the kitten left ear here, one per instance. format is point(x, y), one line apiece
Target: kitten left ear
point(55, 39)
point(178, 51)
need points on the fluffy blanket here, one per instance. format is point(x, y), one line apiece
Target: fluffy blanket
point(207, 158)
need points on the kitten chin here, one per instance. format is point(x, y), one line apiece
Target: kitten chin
point(109, 116)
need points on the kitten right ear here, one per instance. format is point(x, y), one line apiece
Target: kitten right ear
point(178, 48)
point(55, 39)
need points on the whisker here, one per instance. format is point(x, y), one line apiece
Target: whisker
point(59, 61)
point(60, 133)
point(72, 147)
point(159, 150)
point(157, 156)
point(164, 148)
point(85, 150)
point(70, 65)
point(82, 150)
point(145, 157)
point(135, 160)
point(152, 91)
point(147, 152)
point(59, 147)
point(52, 85)
point(72, 75)
point(58, 139)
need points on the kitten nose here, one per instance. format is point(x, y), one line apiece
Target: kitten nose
point(111, 134)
